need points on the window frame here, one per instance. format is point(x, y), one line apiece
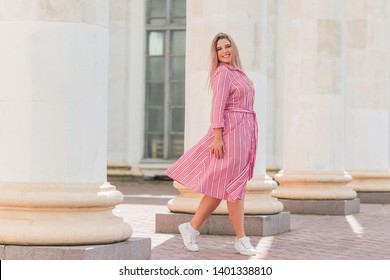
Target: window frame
point(168, 28)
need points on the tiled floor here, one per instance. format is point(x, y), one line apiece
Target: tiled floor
point(363, 236)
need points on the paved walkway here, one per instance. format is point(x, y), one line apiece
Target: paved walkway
point(364, 236)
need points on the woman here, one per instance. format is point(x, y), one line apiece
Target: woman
point(222, 162)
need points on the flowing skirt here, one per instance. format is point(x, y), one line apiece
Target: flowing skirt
point(198, 169)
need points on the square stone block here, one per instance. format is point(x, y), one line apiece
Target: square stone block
point(374, 197)
point(255, 225)
point(2, 249)
point(131, 249)
point(321, 207)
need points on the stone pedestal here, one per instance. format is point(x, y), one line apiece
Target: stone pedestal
point(374, 197)
point(323, 206)
point(255, 225)
point(131, 249)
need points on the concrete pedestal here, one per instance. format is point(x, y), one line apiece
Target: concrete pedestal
point(322, 207)
point(374, 197)
point(131, 249)
point(255, 225)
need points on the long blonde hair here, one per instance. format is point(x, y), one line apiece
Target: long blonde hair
point(235, 62)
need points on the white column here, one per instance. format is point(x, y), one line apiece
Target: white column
point(126, 87)
point(246, 22)
point(367, 100)
point(274, 95)
point(53, 118)
point(312, 59)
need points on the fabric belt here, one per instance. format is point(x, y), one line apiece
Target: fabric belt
point(241, 110)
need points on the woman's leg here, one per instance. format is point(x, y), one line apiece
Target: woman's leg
point(206, 206)
point(189, 231)
point(236, 215)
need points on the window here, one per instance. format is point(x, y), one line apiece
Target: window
point(165, 77)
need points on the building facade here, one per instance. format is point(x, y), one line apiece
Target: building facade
point(338, 49)
point(124, 83)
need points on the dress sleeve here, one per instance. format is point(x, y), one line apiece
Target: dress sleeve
point(221, 89)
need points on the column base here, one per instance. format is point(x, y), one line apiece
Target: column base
point(131, 249)
point(367, 181)
point(255, 225)
point(322, 207)
point(374, 197)
point(60, 214)
point(258, 199)
point(313, 185)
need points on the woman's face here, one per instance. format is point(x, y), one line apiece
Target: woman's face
point(224, 51)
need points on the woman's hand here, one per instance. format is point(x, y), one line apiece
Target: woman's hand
point(218, 148)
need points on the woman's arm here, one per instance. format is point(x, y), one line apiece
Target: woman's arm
point(221, 88)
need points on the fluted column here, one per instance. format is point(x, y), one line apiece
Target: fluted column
point(53, 118)
point(367, 99)
point(246, 22)
point(313, 178)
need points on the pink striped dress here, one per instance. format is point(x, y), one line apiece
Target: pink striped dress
point(232, 109)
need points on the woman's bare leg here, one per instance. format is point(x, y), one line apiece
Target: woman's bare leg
point(206, 206)
point(236, 215)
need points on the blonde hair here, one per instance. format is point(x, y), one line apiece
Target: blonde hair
point(235, 62)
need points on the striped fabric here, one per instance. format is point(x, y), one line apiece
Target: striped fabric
point(232, 109)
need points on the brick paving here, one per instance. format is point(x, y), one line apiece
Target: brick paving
point(363, 236)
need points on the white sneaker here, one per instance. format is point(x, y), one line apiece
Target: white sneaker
point(189, 238)
point(244, 246)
